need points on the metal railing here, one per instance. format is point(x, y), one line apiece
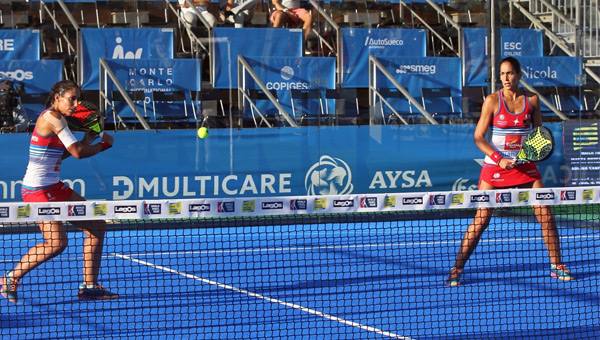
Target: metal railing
point(375, 66)
point(245, 68)
point(573, 26)
point(105, 73)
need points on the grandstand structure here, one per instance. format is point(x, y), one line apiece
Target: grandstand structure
point(352, 69)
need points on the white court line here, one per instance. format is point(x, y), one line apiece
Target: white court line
point(353, 247)
point(266, 298)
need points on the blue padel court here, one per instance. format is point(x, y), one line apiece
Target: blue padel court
point(367, 280)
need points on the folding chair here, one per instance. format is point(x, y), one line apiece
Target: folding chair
point(383, 14)
point(304, 111)
point(394, 106)
point(170, 97)
point(21, 14)
point(118, 100)
point(572, 100)
point(258, 117)
point(118, 11)
point(146, 11)
point(346, 104)
point(205, 104)
point(345, 13)
point(438, 101)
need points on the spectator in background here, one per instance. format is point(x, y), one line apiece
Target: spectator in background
point(12, 114)
point(189, 15)
point(238, 12)
point(18, 124)
point(290, 12)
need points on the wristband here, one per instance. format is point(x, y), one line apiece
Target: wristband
point(496, 157)
point(104, 145)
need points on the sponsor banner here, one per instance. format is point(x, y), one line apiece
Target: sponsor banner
point(37, 76)
point(312, 161)
point(150, 75)
point(19, 44)
point(551, 71)
point(475, 56)
point(231, 42)
point(283, 74)
point(521, 44)
point(121, 43)
point(415, 73)
point(287, 205)
point(582, 152)
point(359, 43)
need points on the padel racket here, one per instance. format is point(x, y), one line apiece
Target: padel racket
point(85, 118)
point(537, 146)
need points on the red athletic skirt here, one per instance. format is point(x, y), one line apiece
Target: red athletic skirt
point(501, 178)
point(58, 192)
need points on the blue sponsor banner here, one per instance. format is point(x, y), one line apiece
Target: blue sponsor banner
point(519, 42)
point(230, 42)
point(415, 73)
point(150, 75)
point(359, 43)
point(121, 43)
point(475, 56)
point(515, 42)
point(19, 44)
point(38, 76)
point(274, 162)
point(551, 71)
point(285, 73)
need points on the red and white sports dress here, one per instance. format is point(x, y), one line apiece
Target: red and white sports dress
point(42, 178)
point(508, 131)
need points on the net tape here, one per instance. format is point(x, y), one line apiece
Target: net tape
point(287, 205)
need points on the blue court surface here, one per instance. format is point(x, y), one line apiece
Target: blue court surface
point(381, 280)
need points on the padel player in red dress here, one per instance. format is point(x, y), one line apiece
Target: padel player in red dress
point(510, 113)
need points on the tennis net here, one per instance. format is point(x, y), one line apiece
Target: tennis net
point(327, 267)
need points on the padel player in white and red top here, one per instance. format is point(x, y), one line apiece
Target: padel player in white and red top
point(51, 142)
point(510, 113)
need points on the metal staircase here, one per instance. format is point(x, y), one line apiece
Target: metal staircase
point(571, 26)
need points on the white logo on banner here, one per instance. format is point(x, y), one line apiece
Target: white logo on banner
point(18, 75)
point(329, 176)
point(534, 74)
point(463, 184)
point(416, 69)
point(287, 73)
point(382, 42)
point(119, 51)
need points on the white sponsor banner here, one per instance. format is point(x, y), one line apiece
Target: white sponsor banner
point(289, 205)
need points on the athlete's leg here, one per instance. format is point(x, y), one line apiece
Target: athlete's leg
point(55, 242)
point(92, 247)
point(549, 230)
point(472, 236)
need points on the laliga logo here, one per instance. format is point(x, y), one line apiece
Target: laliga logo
point(330, 176)
point(287, 73)
point(119, 52)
